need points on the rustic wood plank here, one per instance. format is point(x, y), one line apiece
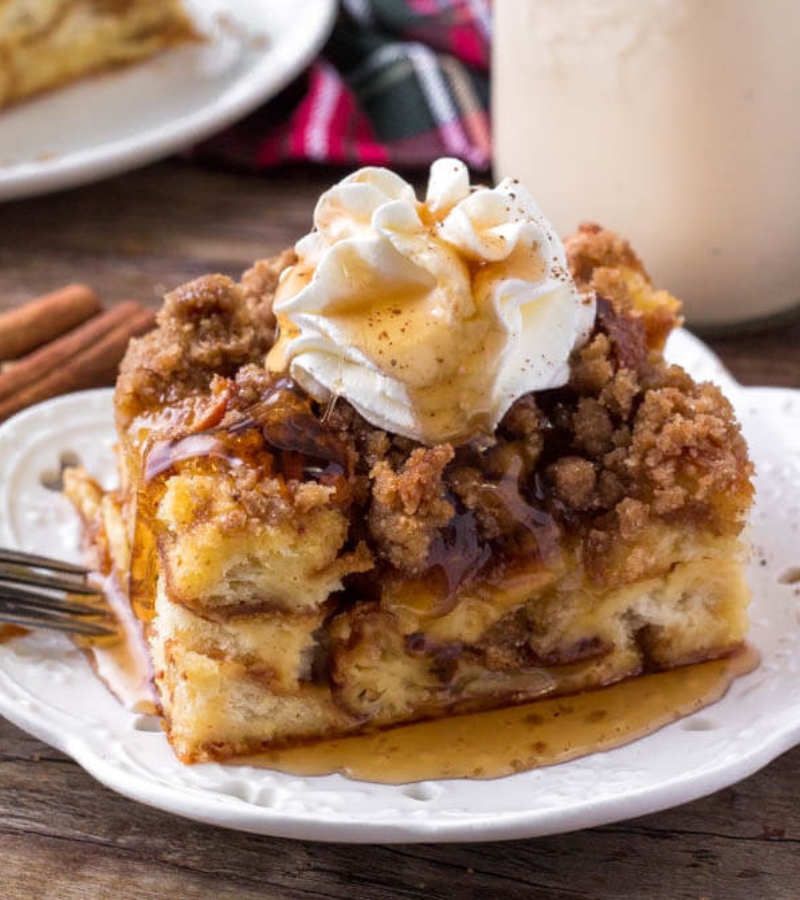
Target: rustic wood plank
point(147, 232)
point(738, 843)
point(770, 357)
point(64, 836)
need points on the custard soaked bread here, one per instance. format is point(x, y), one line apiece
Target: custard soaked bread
point(47, 43)
point(306, 569)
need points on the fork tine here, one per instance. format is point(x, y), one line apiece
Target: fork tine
point(54, 622)
point(25, 595)
point(71, 584)
point(19, 557)
point(37, 592)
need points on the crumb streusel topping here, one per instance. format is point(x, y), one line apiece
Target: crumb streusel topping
point(628, 444)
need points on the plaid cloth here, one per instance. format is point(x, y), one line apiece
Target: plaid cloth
point(400, 82)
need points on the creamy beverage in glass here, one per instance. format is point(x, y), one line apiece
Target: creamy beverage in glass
point(675, 123)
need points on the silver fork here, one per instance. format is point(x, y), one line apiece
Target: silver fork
point(37, 592)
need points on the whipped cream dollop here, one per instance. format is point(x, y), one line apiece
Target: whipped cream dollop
point(431, 318)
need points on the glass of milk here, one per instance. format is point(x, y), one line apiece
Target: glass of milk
point(673, 122)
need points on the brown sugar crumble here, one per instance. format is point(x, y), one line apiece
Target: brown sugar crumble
point(628, 442)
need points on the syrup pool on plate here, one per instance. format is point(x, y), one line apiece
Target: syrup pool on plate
point(121, 660)
point(506, 741)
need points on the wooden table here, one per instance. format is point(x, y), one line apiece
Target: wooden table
point(64, 836)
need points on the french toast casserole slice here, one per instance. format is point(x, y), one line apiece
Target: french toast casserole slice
point(48, 43)
point(304, 574)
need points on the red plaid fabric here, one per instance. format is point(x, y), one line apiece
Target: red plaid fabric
point(400, 82)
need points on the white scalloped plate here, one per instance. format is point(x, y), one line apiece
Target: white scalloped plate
point(115, 121)
point(47, 688)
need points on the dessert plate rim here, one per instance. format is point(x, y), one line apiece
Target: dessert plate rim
point(48, 689)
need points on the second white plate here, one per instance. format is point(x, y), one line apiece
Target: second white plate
point(112, 122)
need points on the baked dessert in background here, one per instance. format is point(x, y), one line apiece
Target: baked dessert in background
point(430, 461)
point(48, 43)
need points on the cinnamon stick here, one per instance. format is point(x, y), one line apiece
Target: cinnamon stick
point(32, 368)
point(36, 323)
point(93, 365)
